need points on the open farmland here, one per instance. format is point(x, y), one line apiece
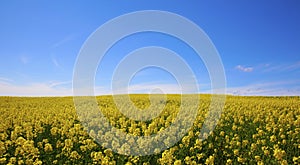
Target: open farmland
point(251, 130)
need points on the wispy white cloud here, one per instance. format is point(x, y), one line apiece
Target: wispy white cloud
point(279, 88)
point(5, 80)
point(55, 62)
point(149, 88)
point(63, 41)
point(146, 88)
point(271, 67)
point(35, 89)
point(244, 69)
point(64, 88)
point(59, 83)
point(170, 88)
point(293, 66)
point(283, 67)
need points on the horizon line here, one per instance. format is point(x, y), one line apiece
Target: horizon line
point(227, 94)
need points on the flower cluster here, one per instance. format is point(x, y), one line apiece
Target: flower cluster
point(251, 130)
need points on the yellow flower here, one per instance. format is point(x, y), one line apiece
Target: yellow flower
point(200, 156)
point(186, 140)
point(13, 160)
point(210, 160)
point(2, 160)
point(54, 131)
point(278, 153)
point(260, 132)
point(177, 162)
point(48, 147)
point(296, 160)
point(83, 148)
point(229, 162)
point(245, 143)
point(236, 152)
point(257, 158)
point(187, 160)
point(266, 151)
point(96, 156)
point(68, 143)
point(74, 155)
point(28, 161)
point(45, 141)
point(108, 152)
point(37, 162)
point(260, 163)
point(284, 162)
point(20, 141)
point(3, 136)
point(253, 147)
point(20, 161)
point(234, 127)
point(241, 160)
point(273, 138)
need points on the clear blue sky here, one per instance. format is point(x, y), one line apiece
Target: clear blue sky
point(259, 44)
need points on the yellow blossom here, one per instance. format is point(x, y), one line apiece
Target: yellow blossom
point(236, 152)
point(177, 162)
point(210, 160)
point(74, 155)
point(48, 147)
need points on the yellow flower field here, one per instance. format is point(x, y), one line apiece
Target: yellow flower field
point(251, 130)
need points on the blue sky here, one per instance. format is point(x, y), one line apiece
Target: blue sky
point(258, 42)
